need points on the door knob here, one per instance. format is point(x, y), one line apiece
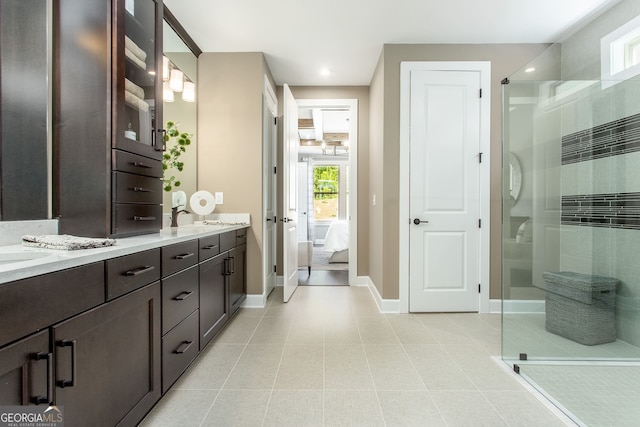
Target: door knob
point(418, 221)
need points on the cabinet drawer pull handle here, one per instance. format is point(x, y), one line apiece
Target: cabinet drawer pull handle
point(226, 267)
point(144, 218)
point(209, 247)
point(241, 236)
point(72, 381)
point(139, 271)
point(183, 296)
point(141, 190)
point(183, 347)
point(141, 165)
point(184, 256)
point(49, 397)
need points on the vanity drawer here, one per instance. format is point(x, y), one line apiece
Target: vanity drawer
point(179, 348)
point(127, 162)
point(130, 219)
point(241, 236)
point(209, 247)
point(178, 257)
point(227, 241)
point(52, 297)
point(130, 188)
point(179, 297)
point(130, 272)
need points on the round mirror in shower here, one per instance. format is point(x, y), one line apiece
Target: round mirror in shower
point(515, 177)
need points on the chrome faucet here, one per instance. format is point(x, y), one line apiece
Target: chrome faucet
point(174, 215)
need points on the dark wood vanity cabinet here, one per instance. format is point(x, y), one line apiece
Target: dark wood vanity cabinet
point(108, 137)
point(237, 279)
point(26, 370)
point(180, 302)
point(107, 339)
point(107, 361)
point(214, 311)
point(222, 283)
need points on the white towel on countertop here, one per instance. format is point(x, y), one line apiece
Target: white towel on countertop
point(65, 242)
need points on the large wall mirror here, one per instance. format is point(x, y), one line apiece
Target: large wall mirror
point(180, 103)
point(25, 109)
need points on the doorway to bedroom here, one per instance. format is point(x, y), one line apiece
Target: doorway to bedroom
point(325, 207)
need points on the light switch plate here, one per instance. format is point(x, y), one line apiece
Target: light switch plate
point(219, 198)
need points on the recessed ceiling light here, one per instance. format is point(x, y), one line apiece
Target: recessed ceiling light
point(325, 72)
point(529, 70)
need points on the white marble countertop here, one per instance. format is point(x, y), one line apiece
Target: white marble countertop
point(51, 260)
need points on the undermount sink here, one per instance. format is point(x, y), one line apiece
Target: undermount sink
point(13, 257)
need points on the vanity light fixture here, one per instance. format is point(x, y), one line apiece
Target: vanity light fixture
point(167, 93)
point(529, 70)
point(176, 81)
point(189, 92)
point(165, 68)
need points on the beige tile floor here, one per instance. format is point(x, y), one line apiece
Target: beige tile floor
point(330, 358)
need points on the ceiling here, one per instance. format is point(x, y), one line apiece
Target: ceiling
point(301, 37)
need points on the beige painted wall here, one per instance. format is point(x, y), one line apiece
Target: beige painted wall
point(230, 87)
point(361, 93)
point(505, 59)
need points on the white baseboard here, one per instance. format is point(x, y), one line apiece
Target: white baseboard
point(516, 306)
point(384, 305)
point(255, 301)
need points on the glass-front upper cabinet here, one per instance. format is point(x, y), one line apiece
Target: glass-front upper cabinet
point(138, 110)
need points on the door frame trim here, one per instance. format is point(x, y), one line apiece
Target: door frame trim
point(352, 104)
point(406, 68)
point(269, 146)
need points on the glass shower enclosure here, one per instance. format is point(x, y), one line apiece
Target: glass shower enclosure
point(571, 239)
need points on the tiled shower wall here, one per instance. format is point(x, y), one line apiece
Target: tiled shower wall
point(600, 187)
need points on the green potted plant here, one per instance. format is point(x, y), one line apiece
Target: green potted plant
point(171, 158)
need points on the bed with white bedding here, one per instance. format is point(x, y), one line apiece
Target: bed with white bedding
point(336, 242)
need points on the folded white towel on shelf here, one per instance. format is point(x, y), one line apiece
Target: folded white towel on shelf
point(133, 88)
point(65, 242)
point(135, 49)
point(135, 102)
point(132, 56)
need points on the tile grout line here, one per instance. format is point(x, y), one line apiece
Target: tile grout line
point(364, 350)
point(231, 370)
point(426, 389)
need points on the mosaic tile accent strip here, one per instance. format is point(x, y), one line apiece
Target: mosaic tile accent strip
point(615, 210)
point(610, 139)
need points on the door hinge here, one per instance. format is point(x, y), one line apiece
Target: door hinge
point(480, 223)
point(479, 157)
point(275, 169)
point(275, 120)
point(479, 286)
point(275, 268)
point(480, 93)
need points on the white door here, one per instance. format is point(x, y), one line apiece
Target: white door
point(289, 193)
point(303, 201)
point(270, 149)
point(444, 191)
